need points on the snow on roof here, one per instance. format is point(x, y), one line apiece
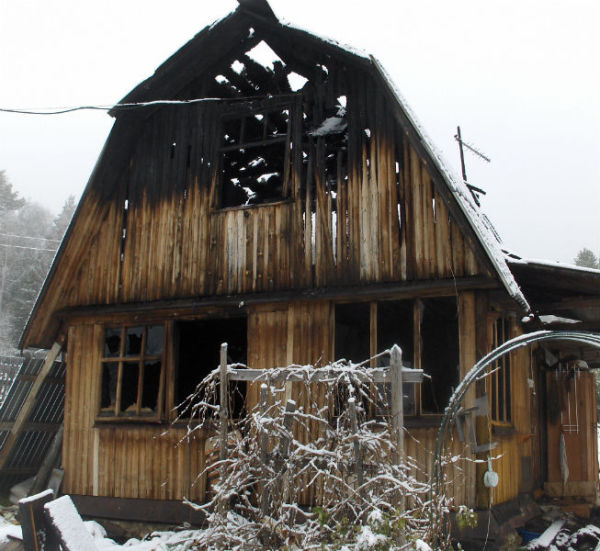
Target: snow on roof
point(553, 264)
point(479, 222)
point(332, 42)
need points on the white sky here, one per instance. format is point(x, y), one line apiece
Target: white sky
point(521, 77)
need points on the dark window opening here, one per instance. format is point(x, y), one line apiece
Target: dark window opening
point(439, 352)
point(132, 366)
point(426, 331)
point(352, 332)
point(198, 353)
point(255, 157)
point(395, 326)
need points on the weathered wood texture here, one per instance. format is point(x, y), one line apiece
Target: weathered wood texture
point(136, 461)
point(145, 461)
point(152, 232)
point(576, 422)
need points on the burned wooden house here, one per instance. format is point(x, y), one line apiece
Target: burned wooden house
point(294, 209)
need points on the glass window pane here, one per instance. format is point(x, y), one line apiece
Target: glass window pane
point(112, 342)
point(129, 388)
point(154, 340)
point(133, 343)
point(110, 372)
point(151, 386)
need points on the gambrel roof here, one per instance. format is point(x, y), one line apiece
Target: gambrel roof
point(251, 22)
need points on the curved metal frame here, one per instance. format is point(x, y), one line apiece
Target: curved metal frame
point(581, 337)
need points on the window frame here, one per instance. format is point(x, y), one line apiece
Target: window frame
point(242, 111)
point(104, 415)
point(416, 360)
point(499, 380)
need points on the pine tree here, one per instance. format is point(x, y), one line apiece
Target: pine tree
point(587, 259)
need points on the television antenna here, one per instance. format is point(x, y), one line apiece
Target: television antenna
point(475, 191)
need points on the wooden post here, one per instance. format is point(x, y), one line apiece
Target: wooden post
point(31, 516)
point(264, 504)
point(398, 417)
point(288, 420)
point(397, 402)
point(223, 413)
point(29, 403)
point(357, 448)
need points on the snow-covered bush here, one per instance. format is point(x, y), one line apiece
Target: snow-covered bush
point(303, 478)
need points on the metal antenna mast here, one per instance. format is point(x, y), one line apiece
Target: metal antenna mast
point(475, 191)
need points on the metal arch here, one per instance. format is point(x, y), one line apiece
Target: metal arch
point(581, 337)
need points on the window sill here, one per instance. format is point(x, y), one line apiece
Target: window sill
point(101, 422)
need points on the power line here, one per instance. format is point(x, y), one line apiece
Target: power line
point(29, 237)
point(28, 248)
point(118, 106)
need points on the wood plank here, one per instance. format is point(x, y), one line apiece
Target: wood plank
point(29, 403)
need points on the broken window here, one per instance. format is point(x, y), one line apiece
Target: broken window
point(132, 367)
point(198, 346)
point(499, 378)
point(427, 332)
point(254, 156)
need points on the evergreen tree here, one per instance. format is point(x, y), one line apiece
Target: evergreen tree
point(29, 238)
point(9, 199)
point(586, 258)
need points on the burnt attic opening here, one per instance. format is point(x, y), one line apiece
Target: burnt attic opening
point(255, 156)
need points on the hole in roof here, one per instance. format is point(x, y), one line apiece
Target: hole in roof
point(342, 102)
point(296, 81)
point(264, 55)
point(221, 79)
point(251, 32)
point(238, 66)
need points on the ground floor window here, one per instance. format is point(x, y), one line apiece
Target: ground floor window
point(498, 382)
point(132, 371)
point(425, 329)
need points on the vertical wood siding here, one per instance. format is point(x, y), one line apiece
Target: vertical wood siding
point(387, 222)
point(136, 461)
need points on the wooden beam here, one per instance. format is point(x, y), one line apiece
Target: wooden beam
point(167, 309)
point(29, 403)
point(292, 374)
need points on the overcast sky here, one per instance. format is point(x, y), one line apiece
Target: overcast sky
point(521, 77)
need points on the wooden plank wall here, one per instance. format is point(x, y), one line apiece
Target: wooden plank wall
point(577, 421)
point(391, 224)
point(144, 461)
point(136, 461)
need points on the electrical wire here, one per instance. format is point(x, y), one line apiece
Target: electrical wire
point(29, 237)
point(119, 106)
point(28, 248)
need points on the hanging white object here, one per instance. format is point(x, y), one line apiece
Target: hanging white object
point(490, 478)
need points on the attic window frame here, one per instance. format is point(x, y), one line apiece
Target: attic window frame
point(248, 109)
